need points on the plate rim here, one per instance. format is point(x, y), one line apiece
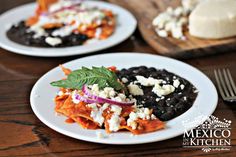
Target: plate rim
point(27, 50)
point(103, 141)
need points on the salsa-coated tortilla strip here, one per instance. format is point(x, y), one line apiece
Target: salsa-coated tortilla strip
point(143, 126)
point(44, 4)
point(66, 71)
point(68, 108)
point(87, 123)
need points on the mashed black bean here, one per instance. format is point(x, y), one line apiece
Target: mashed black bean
point(169, 106)
point(19, 34)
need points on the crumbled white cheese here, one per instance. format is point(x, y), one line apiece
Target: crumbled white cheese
point(153, 117)
point(177, 32)
point(142, 113)
point(74, 100)
point(132, 124)
point(117, 99)
point(134, 101)
point(99, 134)
point(60, 93)
point(157, 99)
point(148, 81)
point(161, 20)
point(98, 33)
point(71, 18)
point(114, 123)
point(163, 90)
point(179, 11)
point(173, 20)
point(168, 27)
point(170, 10)
point(61, 3)
point(96, 112)
point(132, 120)
point(95, 89)
point(107, 92)
point(57, 114)
point(105, 106)
point(67, 93)
point(64, 31)
point(135, 90)
point(176, 83)
point(38, 31)
point(103, 94)
point(162, 33)
point(116, 109)
point(182, 21)
point(124, 80)
point(121, 98)
point(53, 41)
point(146, 111)
point(182, 86)
point(92, 106)
point(190, 4)
point(37, 28)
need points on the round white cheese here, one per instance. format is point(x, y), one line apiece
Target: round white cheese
point(213, 19)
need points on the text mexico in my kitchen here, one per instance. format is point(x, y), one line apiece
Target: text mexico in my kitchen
point(212, 135)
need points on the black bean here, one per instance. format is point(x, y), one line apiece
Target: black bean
point(152, 69)
point(173, 104)
point(170, 112)
point(18, 33)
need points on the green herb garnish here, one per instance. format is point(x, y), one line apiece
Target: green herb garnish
point(97, 75)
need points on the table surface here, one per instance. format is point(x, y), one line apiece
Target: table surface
point(22, 134)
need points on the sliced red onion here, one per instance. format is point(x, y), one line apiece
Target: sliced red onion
point(104, 100)
point(44, 14)
point(84, 99)
point(66, 8)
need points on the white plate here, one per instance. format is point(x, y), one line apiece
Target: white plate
point(126, 24)
point(42, 95)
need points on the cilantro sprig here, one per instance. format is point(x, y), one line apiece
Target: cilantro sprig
point(96, 75)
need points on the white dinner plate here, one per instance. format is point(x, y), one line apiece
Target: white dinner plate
point(42, 95)
point(126, 25)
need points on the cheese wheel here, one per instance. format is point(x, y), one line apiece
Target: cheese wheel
point(213, 19)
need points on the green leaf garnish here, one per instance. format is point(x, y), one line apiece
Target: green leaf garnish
point(97, 75)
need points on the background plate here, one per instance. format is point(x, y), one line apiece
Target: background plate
point(126, 25)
